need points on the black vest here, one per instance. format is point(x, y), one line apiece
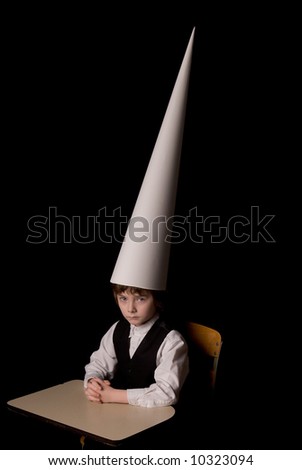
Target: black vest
point(138, 371)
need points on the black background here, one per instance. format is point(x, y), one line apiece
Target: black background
point(88, 91)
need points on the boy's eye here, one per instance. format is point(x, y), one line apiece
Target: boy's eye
point(123, 298)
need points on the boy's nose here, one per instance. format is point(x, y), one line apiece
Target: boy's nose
point(131, 307)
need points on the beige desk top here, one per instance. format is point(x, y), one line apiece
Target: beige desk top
point(66, 404)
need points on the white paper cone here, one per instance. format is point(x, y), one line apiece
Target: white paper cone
point(143, 260)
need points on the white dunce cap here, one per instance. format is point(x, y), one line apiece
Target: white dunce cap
point(143, 260)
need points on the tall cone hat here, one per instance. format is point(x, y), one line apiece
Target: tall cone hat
point(143, 260)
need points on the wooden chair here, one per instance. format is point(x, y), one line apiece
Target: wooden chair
point(207, 341)
point(200, 397)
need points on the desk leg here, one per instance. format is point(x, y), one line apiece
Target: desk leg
point(82, 441)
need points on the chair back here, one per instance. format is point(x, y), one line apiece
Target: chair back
point(207, 341)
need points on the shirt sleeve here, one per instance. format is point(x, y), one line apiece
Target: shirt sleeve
point(103, 361)
point(170, 374)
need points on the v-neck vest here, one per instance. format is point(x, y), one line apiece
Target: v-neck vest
point(138, 371)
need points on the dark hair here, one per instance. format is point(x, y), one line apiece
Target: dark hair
point(158, 296)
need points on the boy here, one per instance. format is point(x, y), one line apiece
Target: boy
point(140, 360)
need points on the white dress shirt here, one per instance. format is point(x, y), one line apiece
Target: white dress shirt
point(172, 366)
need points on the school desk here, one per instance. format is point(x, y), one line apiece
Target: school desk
point(111, 423)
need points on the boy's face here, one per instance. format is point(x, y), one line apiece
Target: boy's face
point(136, 308)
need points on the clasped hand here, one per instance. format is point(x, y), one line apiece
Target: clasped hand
point(98, 390)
